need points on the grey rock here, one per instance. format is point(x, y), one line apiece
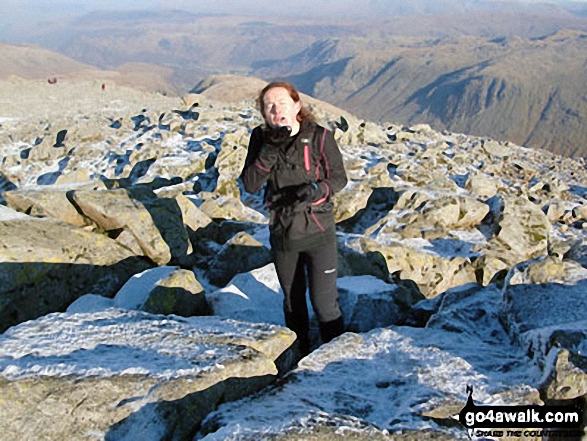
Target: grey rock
point(126, 375)
point(358, 383)
point(548, 319)
point(369, 303)
point(156, 223)
point(239, 254)
point(46, 264)
point(49, 202)
point(160, 290)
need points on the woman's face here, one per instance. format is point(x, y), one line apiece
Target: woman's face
point(281, 109)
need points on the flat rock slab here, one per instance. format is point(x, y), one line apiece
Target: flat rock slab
point(395, 381)
point(118, 374)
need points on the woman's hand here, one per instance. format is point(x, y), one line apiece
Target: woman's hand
point(308, 192)
point(276, 136)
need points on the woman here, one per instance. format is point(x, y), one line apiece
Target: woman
point(303, 168)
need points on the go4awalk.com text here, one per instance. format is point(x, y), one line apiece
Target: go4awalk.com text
point(521, 421)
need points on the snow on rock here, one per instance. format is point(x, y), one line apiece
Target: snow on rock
point(368, 303)
point(255, 297)
point(400, 381)
point(549, 320)
point(387, 380)
point(7, 214)
point(439, 212)
point(161, 290)
point(128, 374)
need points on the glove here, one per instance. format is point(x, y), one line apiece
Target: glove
point(304, 196)
point(308, 193)
point(276, 136)
point(273, 138)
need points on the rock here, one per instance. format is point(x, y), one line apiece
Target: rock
point(547, 319)
point(193, 217)
point(47, 264)
point(580, 212)
point(156, 223)
point(496, 149)
point(230, 161)
point(545, 270)
point(523, 233)
point(9, 214)
point(354, 263)
point(555, 210)
point(161, 290)
point(120, 374)
point(229, 208)
point(388, 379)
point(253, 297)
point(472, 310)
point(427, 215)
point(482, 185)
point(376, 204)
point(369, 303)
point(566, 375)
point(49, 202)
point(433, 273)
point(351, 200)
point(240, 254)
point(490, 267)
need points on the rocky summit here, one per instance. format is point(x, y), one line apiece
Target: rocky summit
point(138, 298)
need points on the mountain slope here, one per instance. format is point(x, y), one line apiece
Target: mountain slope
point(531, 92)
point(485, 69)
point(35, 63)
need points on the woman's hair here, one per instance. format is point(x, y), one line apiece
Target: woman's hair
point(303, 115)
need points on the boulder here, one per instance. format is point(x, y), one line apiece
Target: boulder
point(46, 264)
point(161, 290)
point(129, 375)
point(416, 260)
point(230, 161)
point(524, 229)
point(496, 149)
point(548, 319)
point(472, 310)
point(193, 217)
point(156, 223)
point(482, 185)
point(368, 303)
point(398, 381)
point(354, 263)
point(519, 231)
point(253, 297)
point(228, 208)
point(239, 254)
point(52, 201)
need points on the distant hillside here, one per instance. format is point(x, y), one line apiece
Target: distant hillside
point(529, 91)
point(508, 70)
point(35, 63)
point(32, 62)
point(197, 45)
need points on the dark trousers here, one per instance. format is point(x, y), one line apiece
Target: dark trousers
point(316, 266)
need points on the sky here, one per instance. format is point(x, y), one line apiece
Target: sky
point(25, 9)
point(21, 18)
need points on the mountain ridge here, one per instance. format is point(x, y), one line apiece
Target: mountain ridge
point(490, 75)
point(527, 91)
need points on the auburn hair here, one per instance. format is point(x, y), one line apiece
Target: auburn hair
point(303, 115)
